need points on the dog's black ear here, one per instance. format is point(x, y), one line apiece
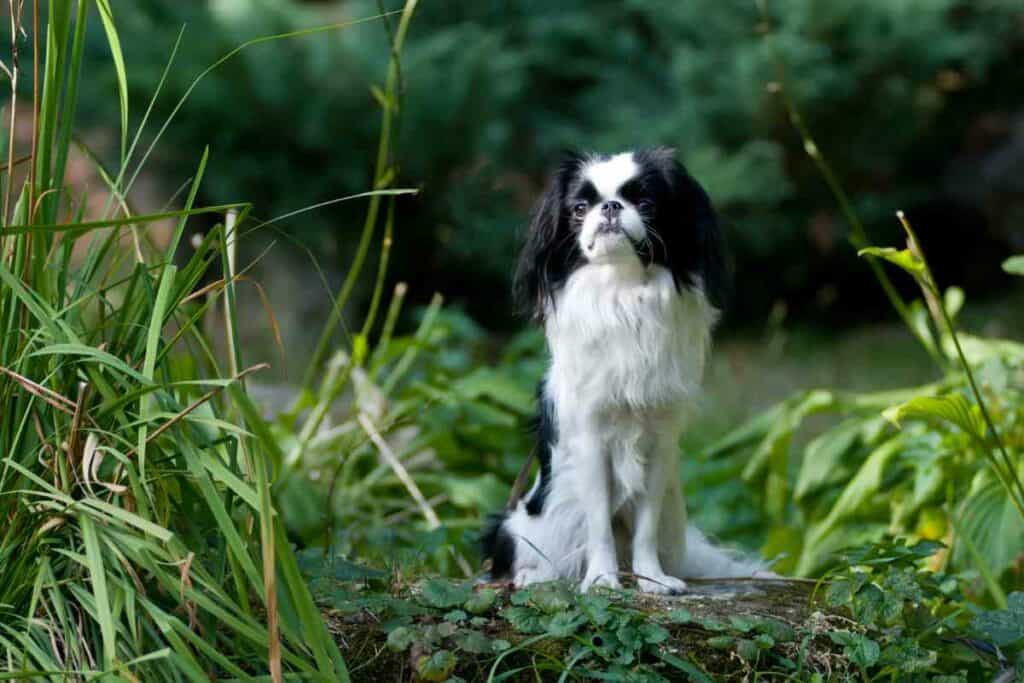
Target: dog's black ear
point(693, 239)
point(713, 261)
point(546, 257)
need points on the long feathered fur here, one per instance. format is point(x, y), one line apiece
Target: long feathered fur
point(624, 266)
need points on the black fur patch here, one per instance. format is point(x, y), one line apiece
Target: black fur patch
point(498, 546)
point(688, 239)
point(550, 253)
point(546, 430)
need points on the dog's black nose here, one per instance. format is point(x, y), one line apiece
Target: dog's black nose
point(611, 209)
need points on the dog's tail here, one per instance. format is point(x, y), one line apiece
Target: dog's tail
point(706, 560)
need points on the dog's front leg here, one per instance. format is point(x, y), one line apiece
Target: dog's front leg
point(595, 495)
point(651, 577)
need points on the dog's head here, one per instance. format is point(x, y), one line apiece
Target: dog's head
point(639, 206)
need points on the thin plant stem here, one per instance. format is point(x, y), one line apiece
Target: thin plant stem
point(15, 18)
point(928, 281)
point(858, 236)
point(383, 175)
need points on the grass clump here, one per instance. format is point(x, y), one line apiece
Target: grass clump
point(141, 540)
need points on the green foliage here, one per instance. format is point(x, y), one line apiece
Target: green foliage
point(142, 541)
point(1014, 265)
point(911, 619)
point(599, 636)
point(883, 616)
point(496, 89)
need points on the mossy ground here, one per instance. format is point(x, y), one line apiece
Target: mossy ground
point(720, 630)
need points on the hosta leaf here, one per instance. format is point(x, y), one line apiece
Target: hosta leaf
point(824, 454)
point(953, 408)
point(980, 349)
point(496, 386)
point(774, 448)
point(900, 257)
point(993, 524)
point(857, 493)
point(867, 480)
point(485, 492)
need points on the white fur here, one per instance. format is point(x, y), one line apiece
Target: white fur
point(627, 354)
point(608, 175)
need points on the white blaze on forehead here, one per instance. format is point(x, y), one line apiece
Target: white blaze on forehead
point(608, 175)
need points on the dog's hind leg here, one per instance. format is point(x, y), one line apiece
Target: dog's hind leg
point(548, 546)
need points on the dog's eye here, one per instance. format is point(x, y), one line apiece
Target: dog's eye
point(645, 206)
point(579, 209)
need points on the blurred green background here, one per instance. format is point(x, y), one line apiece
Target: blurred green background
point(916, 103)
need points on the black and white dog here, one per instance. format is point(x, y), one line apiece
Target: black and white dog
point(624, 266)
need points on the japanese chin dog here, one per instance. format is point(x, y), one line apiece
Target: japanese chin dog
point(624, 267)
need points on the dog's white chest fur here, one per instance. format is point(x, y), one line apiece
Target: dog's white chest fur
point(627, 354)
point(626, 340)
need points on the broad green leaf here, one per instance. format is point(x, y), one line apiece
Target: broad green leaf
point(824, 455)
point(1014, 265)
point(1003, 627)
point(445, 594)
point(774, 448)
point(436, 667)
point(747, 649)
point(401, 638)
point(857, 647)
point(485, 492)
point(900, 257)
point(472, 641)
point(498, 386)
point(993, 524)
point(953, 408)
point(980, 349)
point(481, 601)
point(865, 484)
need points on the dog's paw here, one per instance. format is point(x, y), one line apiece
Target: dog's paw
point(662, 585)
point(602, 580)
